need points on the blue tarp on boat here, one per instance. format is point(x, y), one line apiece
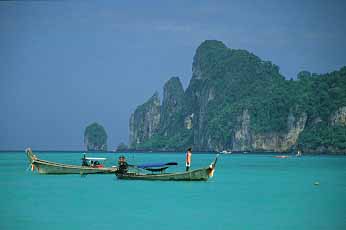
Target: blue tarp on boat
point(151, 165)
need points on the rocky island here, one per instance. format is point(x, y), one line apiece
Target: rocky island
point(239, 102)
point(95, 137)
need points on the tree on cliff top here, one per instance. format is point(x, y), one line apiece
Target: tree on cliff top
point(95, 137)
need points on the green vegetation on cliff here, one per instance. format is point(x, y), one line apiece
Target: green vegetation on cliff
point(237, 101)
point(321, 97)
point(240, 80)
point(95, 137)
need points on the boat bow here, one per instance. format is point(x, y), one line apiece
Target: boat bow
point(212, 166)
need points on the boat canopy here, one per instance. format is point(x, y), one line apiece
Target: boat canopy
point(96, 158)
point(151, 165)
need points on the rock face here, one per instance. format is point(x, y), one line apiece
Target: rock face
point(242, 135)
point(95, 137)
point(339, 117)
point(239, 102)
point(144, 122)
point(280, 141)
point(173, 95)
point(296, 125)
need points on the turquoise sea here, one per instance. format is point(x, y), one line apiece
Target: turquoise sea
point(247, 192)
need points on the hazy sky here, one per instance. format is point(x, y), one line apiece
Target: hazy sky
point(64, 65)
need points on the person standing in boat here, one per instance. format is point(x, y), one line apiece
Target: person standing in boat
point(122, 165)
point(84, 161)
point(188, 158)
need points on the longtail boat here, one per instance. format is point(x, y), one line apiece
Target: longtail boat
point(201, 174)
point(49, 167)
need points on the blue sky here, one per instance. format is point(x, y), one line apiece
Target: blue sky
point(64, 65)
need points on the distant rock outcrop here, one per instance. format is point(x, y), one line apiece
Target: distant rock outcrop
point(239, 102)
point(95, 137)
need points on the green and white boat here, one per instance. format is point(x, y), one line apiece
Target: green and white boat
point(201, 174)
point(49, 167)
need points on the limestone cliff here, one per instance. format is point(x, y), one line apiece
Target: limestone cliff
point(144, 122)
point(339, 117)
point(173, 95)
point(242, 140)
point(280, 141)
point(237, 101)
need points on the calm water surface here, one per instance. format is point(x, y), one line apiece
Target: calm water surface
point(247, 192)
